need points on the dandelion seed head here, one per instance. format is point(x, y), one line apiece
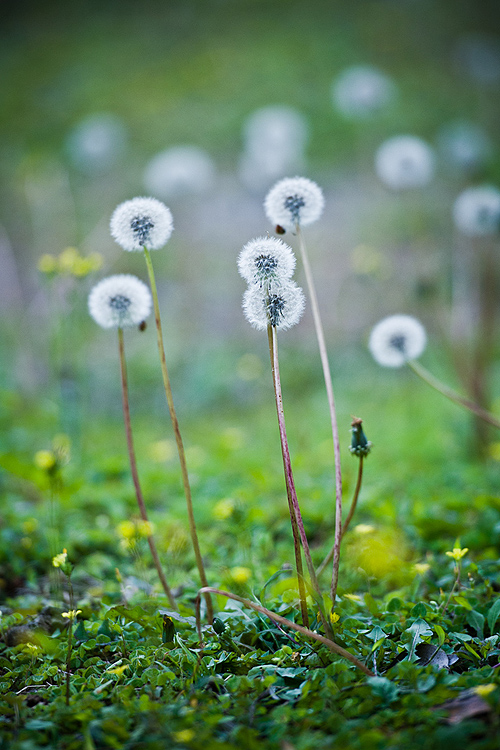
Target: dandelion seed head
point(282, 308)
point(476, 211)
point(294, 200)
point(397, 339)
point(465, 146)
point(267, 262)
point(404, 162)
point(362, 90)
point(141, 222)
point(120, 301)
point(180, 170)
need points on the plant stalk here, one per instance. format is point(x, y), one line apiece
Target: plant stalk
point(287, 465)
point(466, 403)
point(331, 405)
point(295, 530)
point(345, 525)
point(177, 433)
point(133, 469)
point(286, 623)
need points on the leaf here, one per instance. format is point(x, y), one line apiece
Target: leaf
point(418, 630)
point(419, 610)
point(376, 634)
point(384, 688)
point(493, 615)
point(440, 634)
point(462, 602)
point(476, 621)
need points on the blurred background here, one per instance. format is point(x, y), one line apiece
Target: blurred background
point(205, 104)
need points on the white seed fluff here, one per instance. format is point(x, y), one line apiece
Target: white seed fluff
point(141, 222)
point(267, 262)
point(282, 308)
point(476, 211)
point(397, 339)
point(294, 200)
point(361, 90)
point(120, 301)
point(405, 162)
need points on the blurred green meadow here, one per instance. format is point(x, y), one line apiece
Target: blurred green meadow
point(157, 75)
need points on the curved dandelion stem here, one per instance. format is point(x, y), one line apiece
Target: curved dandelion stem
point(330, 643)
point(133, 469)
point(462, 401)
point(345, 525)
point(288, 471)
point(289, 481)
point(333, 416)
point(177, 433)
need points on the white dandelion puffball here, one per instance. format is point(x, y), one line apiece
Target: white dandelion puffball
point(180, 170)
point(281, 308)
point(267, 262)
point(476, 211)
point(362, 90)
point(120, 301)
point(294, 200)
point(397, 339)
point(97, 142)
point(404, 162)
point(141, 222)
point(277, 127)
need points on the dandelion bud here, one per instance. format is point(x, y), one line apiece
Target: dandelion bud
point(397, 339)
point(281, 309)
point(120, 301)
point(267, 262)
point(294, 200)
point(360, 446)
point(141, 222)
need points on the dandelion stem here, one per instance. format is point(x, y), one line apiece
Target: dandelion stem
point(345, 525)
point(466, 403)
point(177, 433)
point(331, 404)
point(328, 642)
point(288, 469)
point(290, 484)
point(133, 469)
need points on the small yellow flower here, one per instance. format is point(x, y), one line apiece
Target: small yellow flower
point(184, 735)
point(144, 528)
point(421, 568)
point(126, 529)
point(45, 460)
point(240, 574)
point(47, 264)
point(224, 509)
point(32, 648)
point(61, 559)
point(457, 553)
point(484, 690)
point(67, 259)
point(72, 614)
point(334, 617)
point(353, 597)
point(30, 525)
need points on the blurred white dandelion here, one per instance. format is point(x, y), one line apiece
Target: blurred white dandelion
point(120, 301)
point(141, 222)
point(397, 339)
point(405, 162)
point(274, 142)
point(282, 308)
point(294, 200)
point(362, 90)
point(479, 56)
point(97, 142)
point(180, 170)
point(267, 262)
point(464, 145)
point(476, 211)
